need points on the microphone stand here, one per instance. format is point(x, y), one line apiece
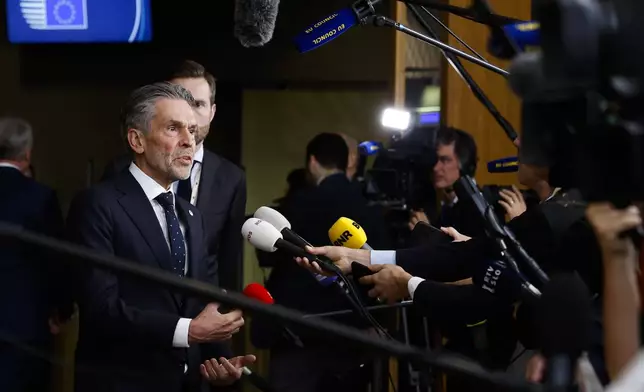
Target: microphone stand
point(467, 78)
point(466, 188)
point(402, 304)
point(381, 21)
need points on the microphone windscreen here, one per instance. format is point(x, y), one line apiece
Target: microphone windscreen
point(369, 147)
point(345, 232)
point(503, 165)
point(565, 316)
point(326, 30)
point(261, 234)
point(258, 292)
point(273, 217)
point(496, 278)
point(525, 35)
point(255, 21)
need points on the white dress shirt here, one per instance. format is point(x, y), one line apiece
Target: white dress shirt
point(11, 165)
point(152, 189)
point(195, 175)
point(631, 378)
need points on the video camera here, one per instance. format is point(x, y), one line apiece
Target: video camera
point(582, 97)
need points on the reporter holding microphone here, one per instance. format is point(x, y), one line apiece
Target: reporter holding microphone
point(321, 363)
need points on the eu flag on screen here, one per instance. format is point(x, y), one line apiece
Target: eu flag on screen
point(68, 21)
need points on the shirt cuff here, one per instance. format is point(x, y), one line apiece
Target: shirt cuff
point(413, 284)
point(180, 338)
point(383, 257)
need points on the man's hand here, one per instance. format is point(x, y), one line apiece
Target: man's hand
point(512, 202)
point(225, 372)
point(342, 257)
point(415, 217)
point(212, 326)
point(456, 236)
point(535, 368)
point(609, 222)
point(390, 282)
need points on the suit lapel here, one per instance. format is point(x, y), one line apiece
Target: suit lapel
point(186, 212)
point(139, 209)
point(210, 165)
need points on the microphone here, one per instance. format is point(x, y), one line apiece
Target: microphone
point(564, 328)
point(255, 21)
point(334, 25)
point(282, 224)
point(346, 232)
point(514, 38)
point(369, 148)
point(262, 235)
point(258, 292)
point(503, 165)
point(496, 278)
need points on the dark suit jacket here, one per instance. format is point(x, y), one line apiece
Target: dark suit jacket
point(312, 212)
point(126, 325)
point(33, 282)
point(222, 202)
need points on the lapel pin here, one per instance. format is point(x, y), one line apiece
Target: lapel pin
point(190, 211)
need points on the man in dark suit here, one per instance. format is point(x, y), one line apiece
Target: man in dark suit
point(135, 335)
point(32, 281)
point(322, 364)
point(216, 186)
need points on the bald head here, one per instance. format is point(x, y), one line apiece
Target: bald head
point(352, 166)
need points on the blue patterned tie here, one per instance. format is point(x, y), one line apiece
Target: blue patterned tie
point(177, 244)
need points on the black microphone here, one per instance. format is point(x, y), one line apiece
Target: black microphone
point(496, 278)
point(564, 328)
point(262, 235)
point(255, 21)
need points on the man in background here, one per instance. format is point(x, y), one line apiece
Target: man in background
point(322, 364)
point(217, 187)
point(33, 282)
point(456, 153)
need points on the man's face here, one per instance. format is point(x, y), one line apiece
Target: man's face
point(446, 170)
point(168, 148)
point(205, 111)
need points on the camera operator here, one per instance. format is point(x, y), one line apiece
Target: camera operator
point(456, 153)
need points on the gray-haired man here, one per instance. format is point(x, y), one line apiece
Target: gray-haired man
point(147, 336)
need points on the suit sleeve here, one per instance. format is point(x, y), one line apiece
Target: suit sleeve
point(446, 303)
point(445, 262)
point(231, 243)
point(90, 224)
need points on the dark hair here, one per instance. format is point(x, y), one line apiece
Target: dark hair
point(189, 69)
point(464, 147)
point(330, 150)
point(140, 106)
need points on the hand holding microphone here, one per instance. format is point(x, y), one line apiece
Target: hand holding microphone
point(350, 244)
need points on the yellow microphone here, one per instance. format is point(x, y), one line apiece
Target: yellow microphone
point(346, 232)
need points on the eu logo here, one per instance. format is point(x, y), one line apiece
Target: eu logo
point(55, 14)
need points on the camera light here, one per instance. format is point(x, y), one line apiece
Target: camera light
point(396, 119)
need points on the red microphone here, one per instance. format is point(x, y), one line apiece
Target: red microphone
point(258, 292)
point(254, 291)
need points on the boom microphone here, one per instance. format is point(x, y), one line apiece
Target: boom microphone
point(262, 235)
point(282, 224)
point(255, 21)
point(346, 232)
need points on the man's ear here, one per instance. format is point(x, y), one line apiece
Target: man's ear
point(136, 141)
point(212, 112)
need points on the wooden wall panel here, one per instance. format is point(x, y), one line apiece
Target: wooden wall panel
point(459, 106)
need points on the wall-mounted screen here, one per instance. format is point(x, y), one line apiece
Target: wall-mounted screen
point(78, 21)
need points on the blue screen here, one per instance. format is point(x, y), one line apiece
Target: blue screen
point(67, 21)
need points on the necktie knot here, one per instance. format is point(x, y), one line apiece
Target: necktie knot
point(166, 200)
